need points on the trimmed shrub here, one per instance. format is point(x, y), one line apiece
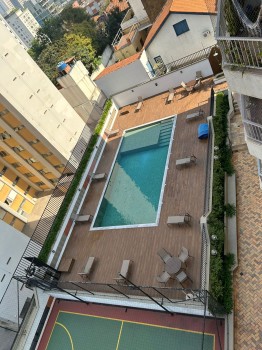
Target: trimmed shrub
point(230, 210)
point(220, 265)
point(47, 246)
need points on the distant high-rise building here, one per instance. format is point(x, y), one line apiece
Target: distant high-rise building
point(24, 25)
point(38, 131)
point(6, 7)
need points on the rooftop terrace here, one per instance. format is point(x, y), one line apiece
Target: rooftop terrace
point(184, 192)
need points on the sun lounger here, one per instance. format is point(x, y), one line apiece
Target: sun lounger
point(186, 161)
point(139, 105)
point(179, 219)
point(83, 218)
point(124, 271)
point(111, 133)
point(195, 115)
point(171, 95)
point(66, 264)
point(88, 267)
point(100, 176)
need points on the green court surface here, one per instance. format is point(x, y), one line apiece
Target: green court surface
point(85, 332)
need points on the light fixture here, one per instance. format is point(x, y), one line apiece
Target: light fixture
point(215, 54)
point(216, 157)
point(214, 237)
point(213, 252)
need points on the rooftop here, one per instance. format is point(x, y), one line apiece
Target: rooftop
point(184, 192)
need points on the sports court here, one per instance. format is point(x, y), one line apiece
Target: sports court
point(77, 326)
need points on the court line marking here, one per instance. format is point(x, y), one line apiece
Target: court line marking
point(128, 321)
point(51, 333)
point(119, 336)
point(68, 333)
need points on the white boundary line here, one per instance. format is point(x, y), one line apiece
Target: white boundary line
point(92, 228)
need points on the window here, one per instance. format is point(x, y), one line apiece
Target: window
point(3, 171)
point(10, 198)
point(3, 154)
point(40, 183)
point(15, 181)
point(181, 27)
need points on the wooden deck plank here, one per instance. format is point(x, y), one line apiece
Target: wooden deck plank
point(184, 192)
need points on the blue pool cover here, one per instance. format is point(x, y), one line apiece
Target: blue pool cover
point(203, 131)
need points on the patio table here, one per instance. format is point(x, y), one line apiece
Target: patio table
point(173, 265)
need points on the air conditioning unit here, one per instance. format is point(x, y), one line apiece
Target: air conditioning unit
point(206, 33)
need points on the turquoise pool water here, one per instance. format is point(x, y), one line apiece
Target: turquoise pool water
point(133, 191)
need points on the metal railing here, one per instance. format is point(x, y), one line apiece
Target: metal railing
point(241, 52)
point(181, 63)
point(128, 36)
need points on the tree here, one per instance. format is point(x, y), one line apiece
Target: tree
point(113, 23)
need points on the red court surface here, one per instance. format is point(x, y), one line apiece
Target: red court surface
point(177, 321)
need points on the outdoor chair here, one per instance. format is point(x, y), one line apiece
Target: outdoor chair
point(182, 277)
point(82, 218)
point(88, 267)
point(188, 89)
point(100, 176)
point(179, 219)
point(124, 271)
point(199, 75)
point(139, 105)
point(111, 133)
point(164, 277)
point(164, 255)
point(184, 255)
point(186, 161)
point(171, 95)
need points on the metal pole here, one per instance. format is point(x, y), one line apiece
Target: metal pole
point(118, 291)
point(82, 288)
point(204, 325)
point(17, 286)
point(162, 294)
point(171, 313)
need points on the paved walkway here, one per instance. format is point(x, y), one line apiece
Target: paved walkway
point(248, 275)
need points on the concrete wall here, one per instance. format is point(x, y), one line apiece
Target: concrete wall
point(172, 47)
point(138, 8)
point(165, 82)
point(244, 81)
point(30, 96)
point(254, 148)
point(12, 246)
point(121, 79)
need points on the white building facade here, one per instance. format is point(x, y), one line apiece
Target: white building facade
point(24, 25)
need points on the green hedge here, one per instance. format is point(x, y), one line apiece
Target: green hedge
point(45, 251)
point(220, 265)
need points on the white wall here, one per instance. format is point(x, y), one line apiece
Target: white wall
point(165, 82)
point(245, 82)
point(123, 78)
point(30, 96)
point(172, 47)
point(138, 8)
point(12, 245)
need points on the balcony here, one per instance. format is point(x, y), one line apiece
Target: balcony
point(251, 109)
point(239, 33)
point(131, 19)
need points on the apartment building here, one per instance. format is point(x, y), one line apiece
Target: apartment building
point(24, 24)
point(239, 36)
point(38, 131)
point(6, 7)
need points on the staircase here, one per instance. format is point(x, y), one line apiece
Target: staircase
point(237, 134)
point(165, 132)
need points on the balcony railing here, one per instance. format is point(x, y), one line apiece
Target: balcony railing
point(251, 112)
point(124, 39)
point(181, 63)
point(241, 52)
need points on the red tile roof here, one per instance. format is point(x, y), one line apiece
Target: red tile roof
point(118, 65)
point(122, 5)
point(181, 6)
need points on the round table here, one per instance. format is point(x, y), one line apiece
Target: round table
point(173, 265)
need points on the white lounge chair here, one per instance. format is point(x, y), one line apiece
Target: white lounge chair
point(139, 105)
point(101, 176)
point(179, 219)
point(111, 133)
point(83, 218)
point(186, 161)
point(88, 267)
point(195, 115)
point(171, 95)
point(124, 271)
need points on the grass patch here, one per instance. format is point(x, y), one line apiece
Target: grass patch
point(47, 246)
point(220, 265)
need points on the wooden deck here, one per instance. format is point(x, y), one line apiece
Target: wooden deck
point(184, 192)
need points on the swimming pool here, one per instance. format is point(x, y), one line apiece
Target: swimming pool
point(133, 193)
